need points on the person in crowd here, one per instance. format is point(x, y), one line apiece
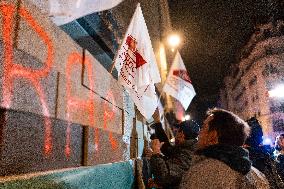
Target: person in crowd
point(169, 163)
point(220, 161)
point(146, 169)
point(260, 156)
point(279, 145)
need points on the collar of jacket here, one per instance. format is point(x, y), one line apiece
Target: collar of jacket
point(237, 158)
point(189, 142)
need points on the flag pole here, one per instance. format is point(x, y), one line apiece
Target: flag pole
point(165, 83)
point(113, 62)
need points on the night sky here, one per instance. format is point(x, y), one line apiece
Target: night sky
point(213, 32)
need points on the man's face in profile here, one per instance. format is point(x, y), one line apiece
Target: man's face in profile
point(280, 142)
point(179, 139)
point(206, 137)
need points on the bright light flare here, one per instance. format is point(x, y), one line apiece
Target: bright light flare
point(186, 118)
point(174, 40)
point(278, 92)
point(267, 141)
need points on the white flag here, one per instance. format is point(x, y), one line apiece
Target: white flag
point(64, 11)
point(136, 65)
point(178, 83)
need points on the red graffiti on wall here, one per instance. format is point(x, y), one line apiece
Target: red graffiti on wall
point(96, 138)
point(74, 102)
point(12, 71)
point(108, 116)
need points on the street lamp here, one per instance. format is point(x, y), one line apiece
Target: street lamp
point(174, 40)
point(277, 92)
point(186, 117)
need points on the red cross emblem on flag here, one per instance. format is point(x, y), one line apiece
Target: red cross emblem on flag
point(132, 46)
point(182, 74)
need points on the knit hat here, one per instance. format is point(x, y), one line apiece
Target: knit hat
point(189, 128)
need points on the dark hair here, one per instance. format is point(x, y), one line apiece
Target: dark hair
point(230, 128)
point(256, 134)
point(154, 136)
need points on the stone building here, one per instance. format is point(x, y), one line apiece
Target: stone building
point(260, 69)
point(60, 106)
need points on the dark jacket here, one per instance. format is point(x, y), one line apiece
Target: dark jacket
point(168, 170)
point(223, 166)
point(262, 160)
point(280, 165)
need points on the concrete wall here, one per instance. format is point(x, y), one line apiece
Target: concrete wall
point(100, 177)
point(246, 91)
point(60, 107)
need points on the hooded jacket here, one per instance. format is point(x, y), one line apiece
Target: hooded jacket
point(223, 166)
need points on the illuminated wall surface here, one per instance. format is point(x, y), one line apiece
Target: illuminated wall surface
point(60, 108)
point(86, 178)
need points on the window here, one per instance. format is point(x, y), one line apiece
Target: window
point(282, 29)
point(252, 81)
point(249, 66)
point(273, 70)
point(266, 33)
point(282, 107)
point(238, 96)
point(236, 83)
point(256, 97)
point(269, 51)
point(98, 33)
point(274, 109)
point(278, 125)
point(269, 69)
point(236, 72)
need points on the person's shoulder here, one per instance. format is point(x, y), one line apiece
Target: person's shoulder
point(258, 178)
point(204, 165)
point(254, 171)
point(206, 171)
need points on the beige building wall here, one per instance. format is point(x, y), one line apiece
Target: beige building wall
point(259, 70)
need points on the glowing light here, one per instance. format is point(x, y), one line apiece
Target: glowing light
point(278, 92)
point(78, 4)
point(267, 141)
point(186, 118)
point(174, 40)
point(179, 111)
point(163, 59)
point(172, 140)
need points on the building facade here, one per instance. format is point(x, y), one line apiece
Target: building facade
point(259, 70)
point(60, 106)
